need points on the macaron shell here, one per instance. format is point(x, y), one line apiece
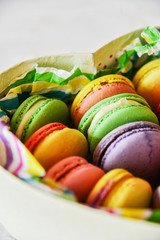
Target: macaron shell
point(99, 94)
point(111, 137)
point(105, 184)
point(89, 115)
point(41, 133)
point(76, 174)
point(119, 188)
point(144, 70)
point(82, 180)
point(118, 117)
point(23, 108)
point(97, 83)
point(60, 169)
point(149, 87)
point(51, 110)
point(60, 144)
point(134, 147)
point(131, 192)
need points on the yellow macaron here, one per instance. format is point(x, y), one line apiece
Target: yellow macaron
point(147, 83)
point(120, 189)
point(55, 141)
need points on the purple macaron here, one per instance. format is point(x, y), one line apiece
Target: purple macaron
point(135, 147)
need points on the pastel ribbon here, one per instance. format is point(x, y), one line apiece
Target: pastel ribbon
point(48, 186)
point(15, 157)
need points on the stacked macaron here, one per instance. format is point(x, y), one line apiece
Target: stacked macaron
point(106, 103)
point(113, 112)
point(35, 112)
point(98, 90)
point(111, 157)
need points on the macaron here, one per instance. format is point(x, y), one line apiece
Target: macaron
point(76, 174)
point(147, 83)
point(97, 90)
point(113, 112)
point(135, 147)
point(156, 198)
point(120, 189)
point(55, 141)
point(35, 112)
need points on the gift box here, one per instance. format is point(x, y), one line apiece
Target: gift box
point(29, 207)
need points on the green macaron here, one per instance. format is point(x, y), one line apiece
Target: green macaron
point(113, 112)
point(35, 112)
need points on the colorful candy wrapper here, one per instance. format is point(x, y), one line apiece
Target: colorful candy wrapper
point(128, 54)
point(15, 157)
point(51, 187)
point(152, 37)
point(65, 83)
point(47, 81)
point(152, 215)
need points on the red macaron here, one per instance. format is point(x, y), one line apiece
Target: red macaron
point(76, 174)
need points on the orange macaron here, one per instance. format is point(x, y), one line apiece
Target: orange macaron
point(55, 141)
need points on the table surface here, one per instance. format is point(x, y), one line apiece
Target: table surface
point(35, 28)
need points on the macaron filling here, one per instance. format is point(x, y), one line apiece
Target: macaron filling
point(26, 118)
point(108, 108)
point(89, 115)
point(104, 91)
point(24, 107)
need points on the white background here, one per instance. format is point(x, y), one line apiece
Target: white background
point(34, 28)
